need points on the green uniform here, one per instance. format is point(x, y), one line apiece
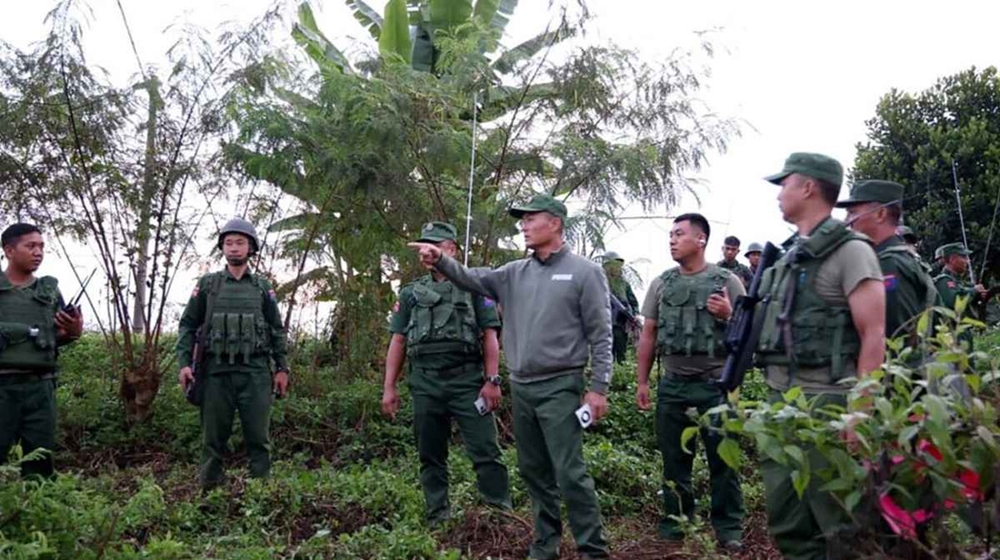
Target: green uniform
point(621, 289)
point(808, 340)
point(951, 287)
point(909, 290)
point(246, 341)
point(557, 323)
point(443, 326)
point(741, 270)
point(689, 343)
point(28, 352)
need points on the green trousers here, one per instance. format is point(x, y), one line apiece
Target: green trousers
point(619, 344)
point(248, 394)
point(28, 415)
point(807, 528)
point(437, 399)
point(673, 399)
point(550, 459)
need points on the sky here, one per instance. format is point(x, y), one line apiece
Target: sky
point(800, 75)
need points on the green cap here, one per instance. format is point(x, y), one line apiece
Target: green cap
point(435, 232)
point(612, 256)
point(953, 249)
point(938, 252)
point(754, 248)
point(816, 166)
point(873, 190)
point(906, 233)
point(541, 203)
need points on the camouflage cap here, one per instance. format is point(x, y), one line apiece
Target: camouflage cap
point(873, 190)
point(817, 166)
point(612, 256)
point(541, 203)
point(435, 232)
point(953, 249)
point(754, 248)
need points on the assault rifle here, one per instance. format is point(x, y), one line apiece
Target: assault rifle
point(195, 391)
point(621, 314)
point(743, 330)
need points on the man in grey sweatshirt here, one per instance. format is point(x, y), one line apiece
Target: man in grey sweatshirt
point(557, 316)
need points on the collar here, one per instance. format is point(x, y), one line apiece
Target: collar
point(229, 275)
point(554, 257)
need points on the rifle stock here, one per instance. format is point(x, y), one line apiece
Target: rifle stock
point(743, 330)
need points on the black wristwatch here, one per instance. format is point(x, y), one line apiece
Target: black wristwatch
point(494, 379)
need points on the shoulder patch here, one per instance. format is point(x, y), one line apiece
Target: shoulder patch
point(951, 284)
point(890, 282)
point(395, 307)
point(272, 294)
point(487, 302)
point(194, 292)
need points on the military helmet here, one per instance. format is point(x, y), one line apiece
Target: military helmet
point(241, 226)
point(754, 248)
point(611, 256)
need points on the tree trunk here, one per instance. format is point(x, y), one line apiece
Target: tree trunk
point(152, 86)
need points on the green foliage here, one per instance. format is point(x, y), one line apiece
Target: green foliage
point(907, 444)
point(914, 138)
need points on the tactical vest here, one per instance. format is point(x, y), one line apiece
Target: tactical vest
point(442, 320)
point(821, 335)
point(684, 325)
point(27, 325)
point(238, 329)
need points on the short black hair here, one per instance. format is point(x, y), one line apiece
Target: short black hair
point(11, 235)
point(732, 241)
point(697, 220)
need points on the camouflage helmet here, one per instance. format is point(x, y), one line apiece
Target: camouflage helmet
point(611, 256)
point(754, 248)
point(243, 227)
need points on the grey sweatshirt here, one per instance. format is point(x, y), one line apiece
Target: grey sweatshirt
point(556, 314)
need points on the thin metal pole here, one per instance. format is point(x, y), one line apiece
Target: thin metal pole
point(472, 175)
point(989, 238)
point(961, 220)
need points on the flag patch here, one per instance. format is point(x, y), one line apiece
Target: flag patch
point(273, 295)
point(395, 307)
point(487, 302)
point(951, 284)
point(194, 293)
point(890, 282)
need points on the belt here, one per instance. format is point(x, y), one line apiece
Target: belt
point(452, 372)
point(688, 378)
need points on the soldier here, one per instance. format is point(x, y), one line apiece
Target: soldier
point(824, 320)
point(627, 304)
point(558, 318)
point(951, 284)
point(938, 265)
point(450, 337)
point(753, 257)
point(35, 323)
point(874, 209)
point(731, 248)
point(243, 334)
point(686, 310)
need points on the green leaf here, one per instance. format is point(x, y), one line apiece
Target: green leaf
point(369, 17)
point(507, 61)
point(394, 41)
point(906, 435)
point(686, 436)
point(447, 14)
point(495, 13)
point(729, 452)
point(792, 394)
point(796, 453)
point(852, 500)
point(800, 481)
point(307, 34)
